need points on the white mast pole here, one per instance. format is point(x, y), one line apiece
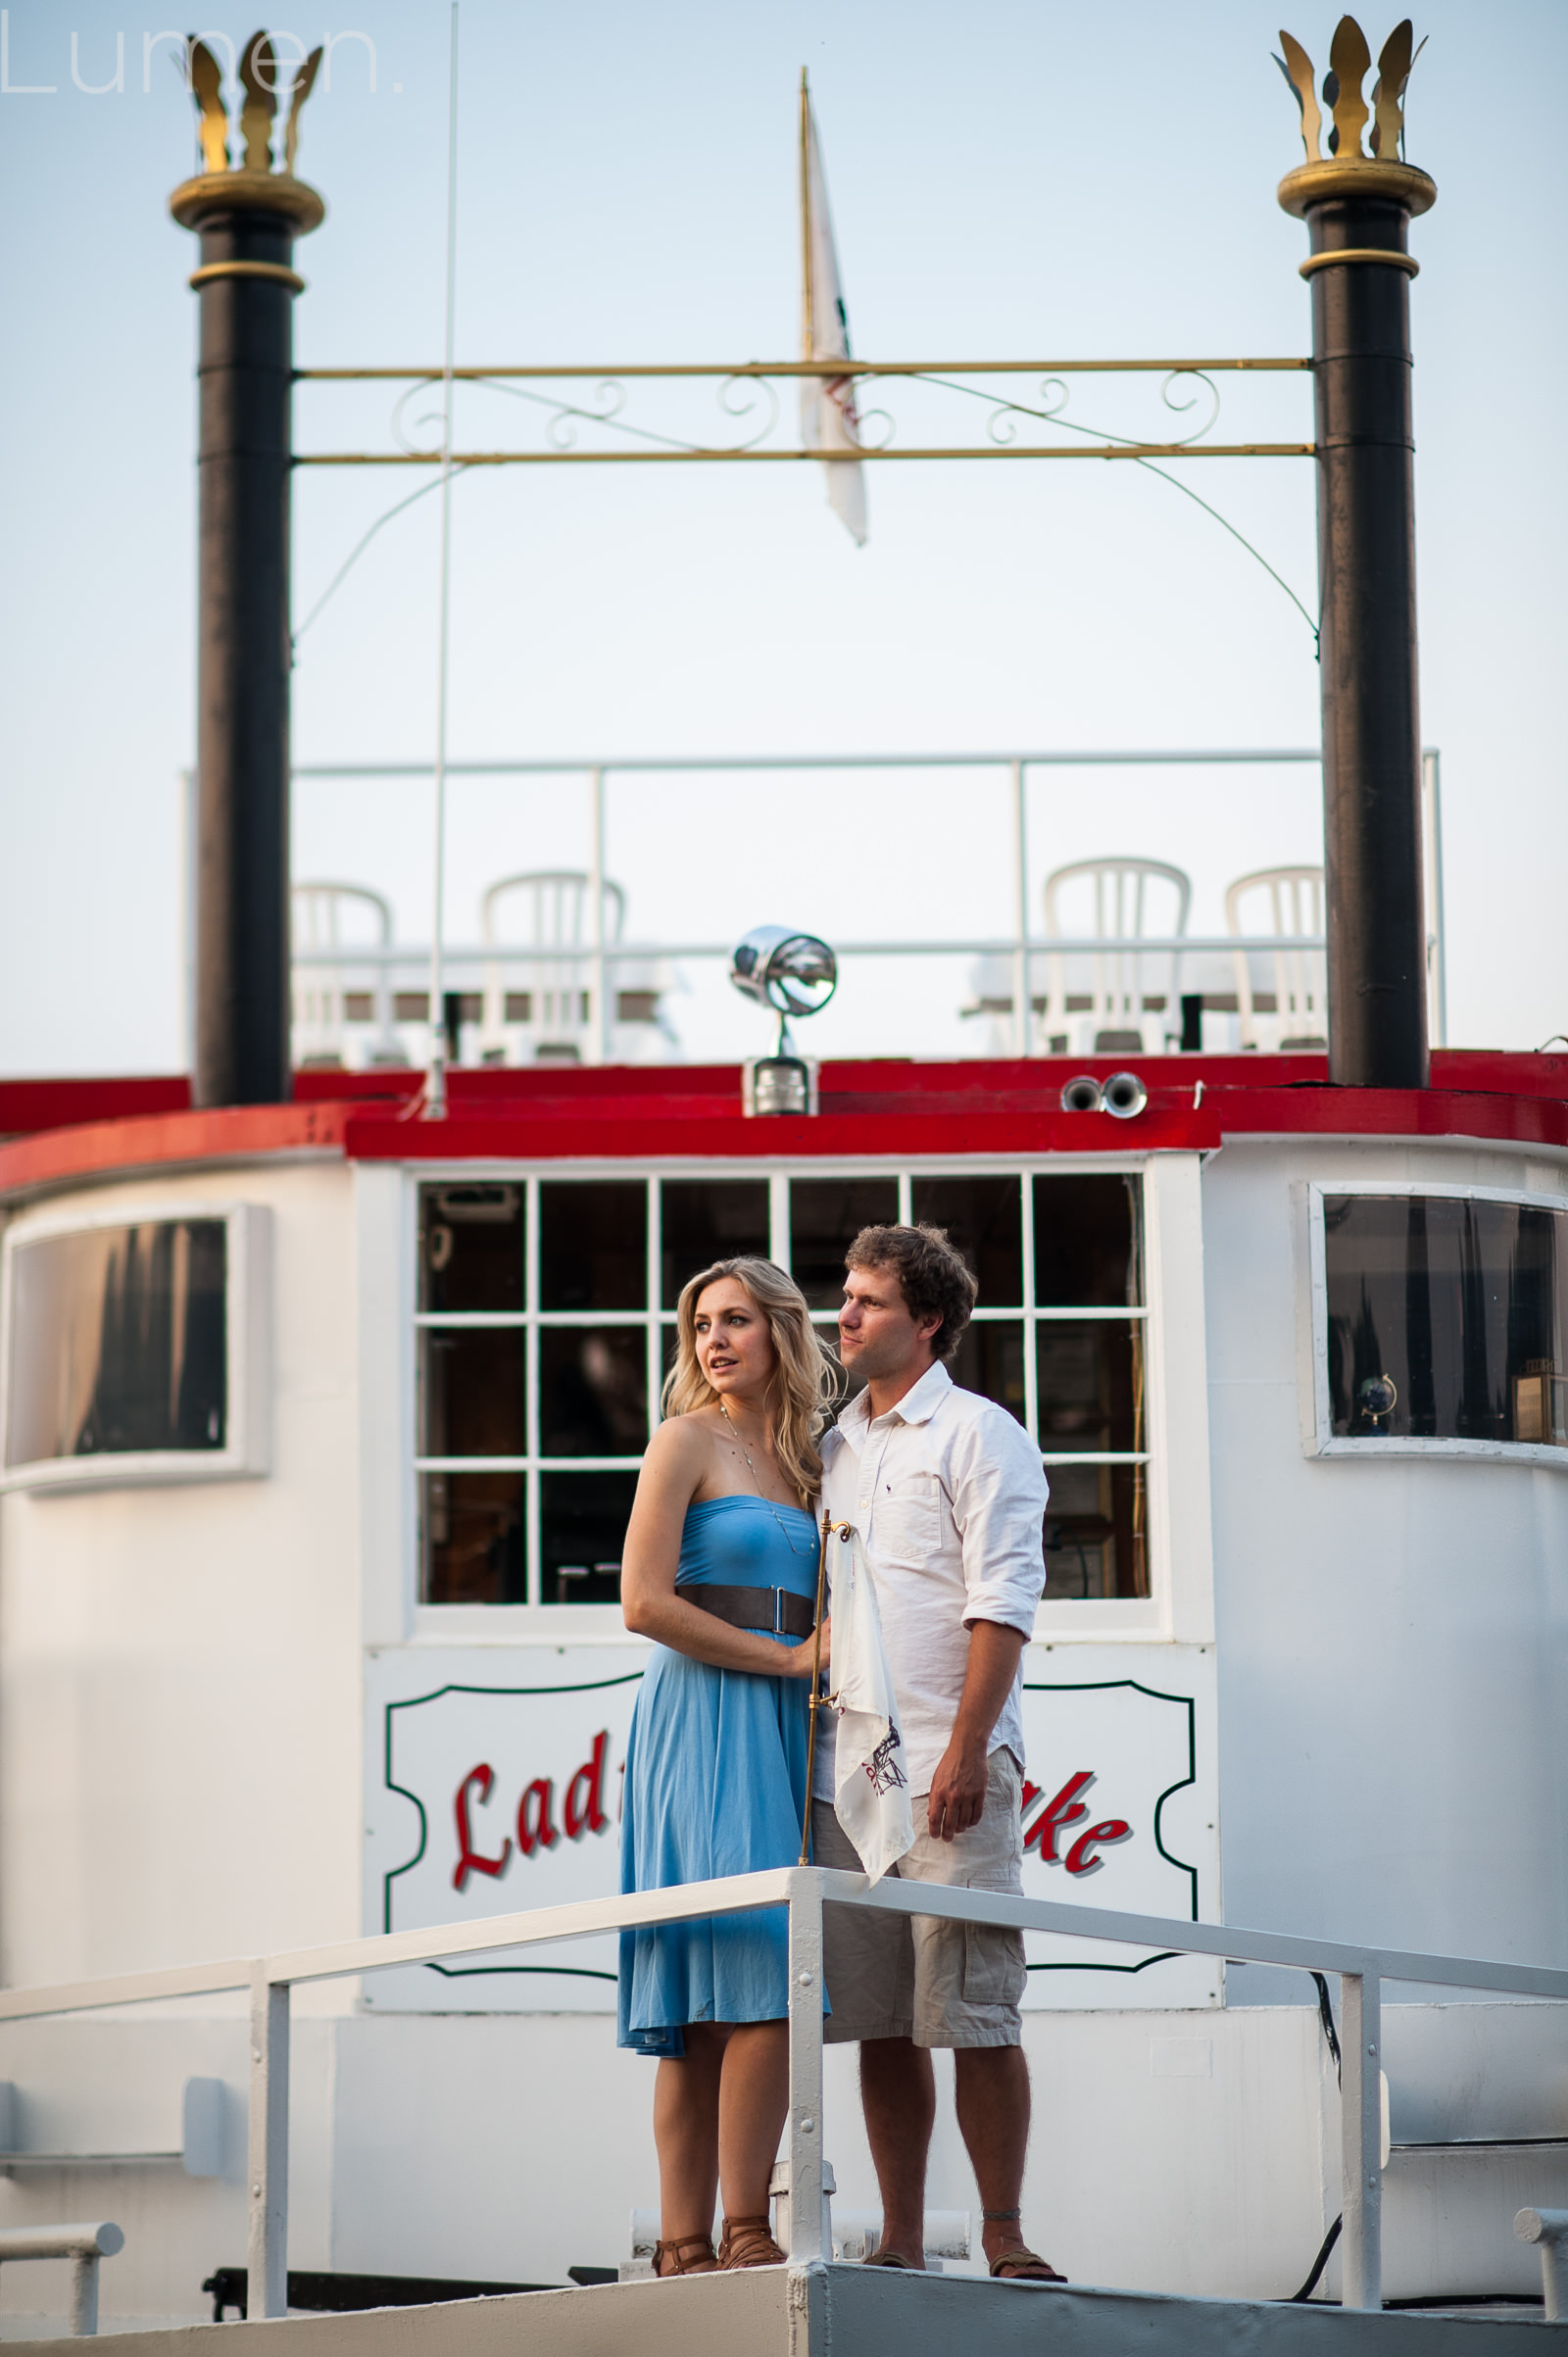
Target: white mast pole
point(435, 1087)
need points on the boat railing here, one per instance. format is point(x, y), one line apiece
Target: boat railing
point(804, 1890)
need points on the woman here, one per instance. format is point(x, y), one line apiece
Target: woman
point(720, 1569)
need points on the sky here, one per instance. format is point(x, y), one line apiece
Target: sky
point(1027, 181)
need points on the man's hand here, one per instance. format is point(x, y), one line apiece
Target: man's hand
point(958, 1787)
point(958, 1790)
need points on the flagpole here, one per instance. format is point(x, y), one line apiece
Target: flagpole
point(436, 1084)
point(806, 219)
point(816, 1654)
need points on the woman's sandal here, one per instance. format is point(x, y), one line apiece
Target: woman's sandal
point(704, 2264)
point(749, 2242)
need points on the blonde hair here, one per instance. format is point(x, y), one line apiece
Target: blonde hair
point(805, 1380)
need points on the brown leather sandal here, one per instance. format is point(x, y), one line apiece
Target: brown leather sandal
point(704, 2264)
point(1020, 2266)
point(749, 2242)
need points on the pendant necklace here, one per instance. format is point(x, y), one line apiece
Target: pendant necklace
point(752, 1470)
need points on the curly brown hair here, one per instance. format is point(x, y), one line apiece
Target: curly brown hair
point(933, 1276)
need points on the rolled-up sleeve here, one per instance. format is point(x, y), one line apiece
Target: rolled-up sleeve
point(998, 1494)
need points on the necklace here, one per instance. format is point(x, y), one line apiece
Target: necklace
point(752, 1470)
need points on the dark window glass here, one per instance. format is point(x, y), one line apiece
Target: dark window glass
point(1095, 1536)
point(983, 1216)
point(1091, 1385)
point(118, 1341)
point(990, 1361)
point(583, 1530)
point(471, 1247)
point(593, 1391)
point(1087, 1242)
point(475, 1392)
point(826, 1218)
point(593, 1245)
point(473, 1539)
point(1447, 1319)
point(703, 1220)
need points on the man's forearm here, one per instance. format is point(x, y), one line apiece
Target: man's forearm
point(993, 1652)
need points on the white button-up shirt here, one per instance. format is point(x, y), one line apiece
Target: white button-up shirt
point(949, 1493)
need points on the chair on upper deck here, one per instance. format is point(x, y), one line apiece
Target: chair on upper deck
point(1110, 899)
point(1294, 900)
point(324, 1008)
point(548, 1015)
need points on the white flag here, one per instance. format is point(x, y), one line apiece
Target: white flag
point(870, 1790)
point(828, 422)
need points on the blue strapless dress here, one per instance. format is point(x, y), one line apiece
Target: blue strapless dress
point(715, 1784)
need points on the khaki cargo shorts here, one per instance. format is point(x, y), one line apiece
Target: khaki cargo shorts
point(914, 1976)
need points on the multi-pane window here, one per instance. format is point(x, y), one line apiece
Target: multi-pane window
point(547, 1325)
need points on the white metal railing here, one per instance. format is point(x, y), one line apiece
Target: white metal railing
point(83, 2245)
point(1020, 946)
point(804, 1889)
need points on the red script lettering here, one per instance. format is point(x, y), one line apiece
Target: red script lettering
point(479, 1781)
point(585, 1810)
point(1065, 1809)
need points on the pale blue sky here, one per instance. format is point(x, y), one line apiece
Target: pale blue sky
point(1023, 180)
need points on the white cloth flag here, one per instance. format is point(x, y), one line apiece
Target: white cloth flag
point(870, 1790)
point(829, 420)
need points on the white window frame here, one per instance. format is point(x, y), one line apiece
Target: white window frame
point(1321, 1440)
point(1143, 1616)
point(246, 1450)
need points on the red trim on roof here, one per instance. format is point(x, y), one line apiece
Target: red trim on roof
point(678, 1111)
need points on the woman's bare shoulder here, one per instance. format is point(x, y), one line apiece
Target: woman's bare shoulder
point(680, 1441)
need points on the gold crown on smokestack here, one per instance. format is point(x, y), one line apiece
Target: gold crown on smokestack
point(1349, 63)
point(252, 181)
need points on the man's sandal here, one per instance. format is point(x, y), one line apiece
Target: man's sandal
point(1018, 2265)
point(749, 2242)
point(890, 2258)
point(703, 2263)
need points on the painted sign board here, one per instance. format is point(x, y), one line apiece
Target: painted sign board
point(494, 1776)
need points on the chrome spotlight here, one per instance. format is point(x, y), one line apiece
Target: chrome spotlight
point(791, 974)
point(1083, 1096)
point(1124, 1095)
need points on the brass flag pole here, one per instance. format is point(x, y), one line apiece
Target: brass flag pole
point(816, 1673)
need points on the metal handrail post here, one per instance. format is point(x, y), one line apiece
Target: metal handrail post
point(84, 2292)
point(1549, 2228)
point(1023, 1026)
point(1361, 2139)
point(804, 2126)
point(599, 1029)
point(267, 2253)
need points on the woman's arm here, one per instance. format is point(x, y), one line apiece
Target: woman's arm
point(678, 1458)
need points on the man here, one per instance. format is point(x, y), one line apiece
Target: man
point(949, 1495)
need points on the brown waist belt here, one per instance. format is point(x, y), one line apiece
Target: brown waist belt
point(780, 1609)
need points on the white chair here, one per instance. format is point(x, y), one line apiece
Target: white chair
point(551, 1016)
point(1294, 904)
point(1118, 898)
point(320, 1010)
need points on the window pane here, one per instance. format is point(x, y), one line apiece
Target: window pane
point(473, 1539)
point(826, 1218)
point(118, 1341)
point(983, 1218)
point(593, 1391)
point(1447, 1319)
point(593, 1245)
point(1087, 1241)
point(703, 1220)
point(583, 1529)
point(1095, 1543)
point(1091, 1385)
point(473, 1392)
point(990, 1361)
point(471, 1248)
